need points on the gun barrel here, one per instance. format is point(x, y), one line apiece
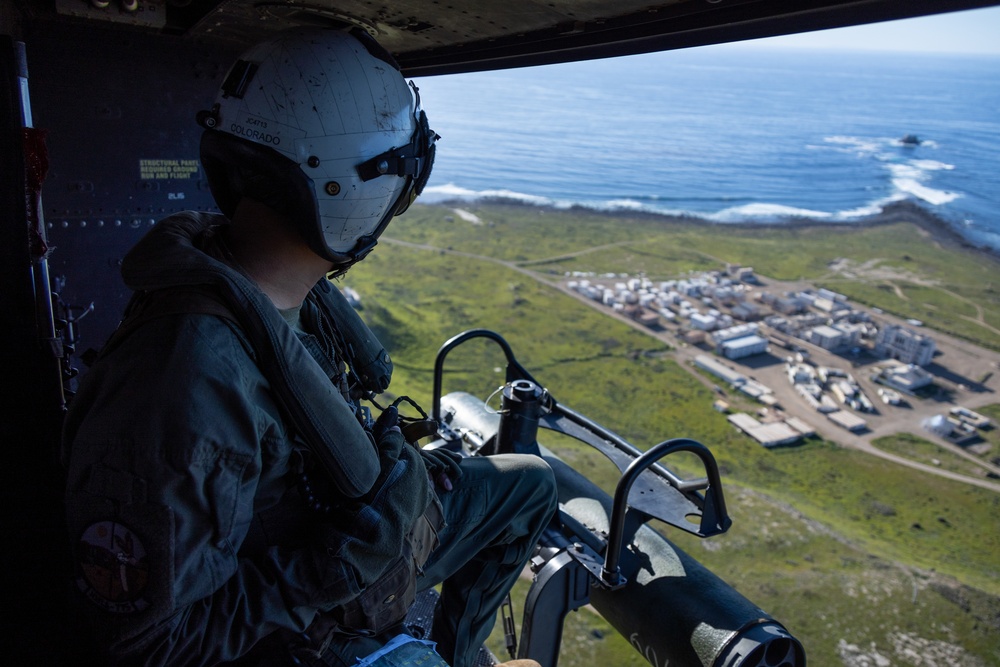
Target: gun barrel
point(673, 610)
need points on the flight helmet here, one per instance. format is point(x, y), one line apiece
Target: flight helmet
point(321, 126)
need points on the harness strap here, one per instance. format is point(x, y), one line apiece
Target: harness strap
point(190, 299)
point(340, 417)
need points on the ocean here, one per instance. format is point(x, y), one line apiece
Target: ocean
point(730, 134)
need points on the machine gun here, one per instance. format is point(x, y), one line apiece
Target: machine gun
point(598, 550)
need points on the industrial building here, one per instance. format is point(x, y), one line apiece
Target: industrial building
point(740, 331)
point(951, 429)
point(747, 312)
point(829, 305)
point(906, 345)
point(906, 379)
point(720, 370)
point(769, 435)
point(703, 322)
point(831, 337)
point(970, 417)
point(739, 341)
point(826, 337)
point(746, 346)
point(755, 390)
point(802, 427)
point(847, 420)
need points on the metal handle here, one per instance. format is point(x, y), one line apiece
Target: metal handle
point(515, 371)
point(713, 514)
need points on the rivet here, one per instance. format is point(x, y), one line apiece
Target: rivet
point(332, 188)
point(313, 161)
point(383, 167)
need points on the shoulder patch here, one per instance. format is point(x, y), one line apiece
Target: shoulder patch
point(113, 567)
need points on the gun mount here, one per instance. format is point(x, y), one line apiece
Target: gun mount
point(598, 550)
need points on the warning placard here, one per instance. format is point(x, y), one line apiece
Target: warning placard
point(167, 169)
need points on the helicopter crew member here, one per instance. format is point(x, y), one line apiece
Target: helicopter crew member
point(229, 499)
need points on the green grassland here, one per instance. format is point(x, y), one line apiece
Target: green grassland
point(844, 548)
point(952, 278)
point(925, 451)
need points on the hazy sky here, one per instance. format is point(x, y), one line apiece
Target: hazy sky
point(971, 31)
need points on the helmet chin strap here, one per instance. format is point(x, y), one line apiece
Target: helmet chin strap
point(361, 249)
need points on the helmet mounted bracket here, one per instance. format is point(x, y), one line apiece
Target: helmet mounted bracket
point(238, 79)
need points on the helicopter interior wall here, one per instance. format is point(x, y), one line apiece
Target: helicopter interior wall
point(117, 108)
point(123, 152)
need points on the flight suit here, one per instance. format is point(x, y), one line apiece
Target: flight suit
point(194, 537)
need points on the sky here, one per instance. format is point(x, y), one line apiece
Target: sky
point(970, 31)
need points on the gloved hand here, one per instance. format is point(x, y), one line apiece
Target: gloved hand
point(443, 466)
point(387, 421)
point(368, 532)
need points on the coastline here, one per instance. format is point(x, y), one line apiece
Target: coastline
point(937, 229)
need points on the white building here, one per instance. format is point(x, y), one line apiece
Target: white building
point(826, 337)
point(746, 312)
point(720, 370)
point(829, 305)
point(802, 427)
point(970, 417)
point(702, 322)
point(847, 420)
point(906, 345)
point(906, 379)
point(745, 346)
point(831, 337)
point(722, 335)
point(768, 435)
point(824, 293)
point(827, 404)
point(755, 389)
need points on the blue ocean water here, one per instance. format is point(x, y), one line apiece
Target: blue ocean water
point(730, 134)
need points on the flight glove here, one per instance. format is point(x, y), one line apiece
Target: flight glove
point(442, 465)
point(369, 532)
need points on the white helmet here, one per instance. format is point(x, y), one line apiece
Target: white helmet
point(320, 125)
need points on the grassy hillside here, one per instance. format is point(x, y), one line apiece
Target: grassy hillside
point(855, 555)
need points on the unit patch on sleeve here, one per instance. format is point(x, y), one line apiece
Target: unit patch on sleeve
point(113, 567)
